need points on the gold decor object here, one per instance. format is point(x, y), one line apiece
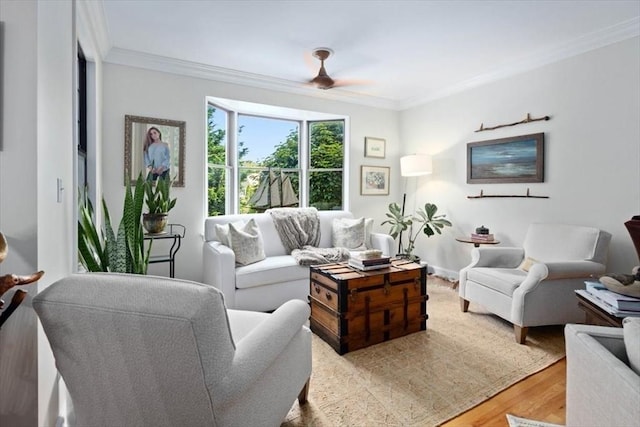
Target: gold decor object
point(8, 281)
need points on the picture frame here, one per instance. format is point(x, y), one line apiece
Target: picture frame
point(374, 147)
point(173, 133)
point(506, 160)
point(374, 180)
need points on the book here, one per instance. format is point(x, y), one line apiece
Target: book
point(358, 265)
point(372, 261)
point(605, 306)
point(487, 237)
point(618, 301)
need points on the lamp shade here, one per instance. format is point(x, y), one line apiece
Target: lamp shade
point(415, 165)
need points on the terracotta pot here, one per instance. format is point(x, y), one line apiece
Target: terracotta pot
point(154, 223)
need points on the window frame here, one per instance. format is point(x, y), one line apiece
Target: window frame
point(304, 118)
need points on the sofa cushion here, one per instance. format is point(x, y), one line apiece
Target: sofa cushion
point(631, 333)
point(503, 280)
point(246, 243)
point(273, 269)
point(348, 233)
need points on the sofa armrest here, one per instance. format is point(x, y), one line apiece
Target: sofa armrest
point(507, 257)
point(574, 269)
point(383, 242)
point(601, 388)
point(257, 350)
point(219, 270)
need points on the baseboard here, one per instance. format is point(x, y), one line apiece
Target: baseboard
point(451, 275)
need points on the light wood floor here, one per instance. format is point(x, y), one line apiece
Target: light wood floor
point(540, 397)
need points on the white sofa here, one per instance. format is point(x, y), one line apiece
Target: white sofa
point(603, 375)
point(266, 284)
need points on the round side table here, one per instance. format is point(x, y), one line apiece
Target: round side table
point(476, 243)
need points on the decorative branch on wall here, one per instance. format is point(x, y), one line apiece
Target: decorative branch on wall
point(528, 119)
point(528, 195)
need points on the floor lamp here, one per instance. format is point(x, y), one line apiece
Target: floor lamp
point(412, 165)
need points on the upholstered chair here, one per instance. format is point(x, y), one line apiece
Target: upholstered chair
point(603, 374)
point(152, 351)
point(534, 285)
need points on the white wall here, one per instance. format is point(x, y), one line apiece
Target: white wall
point(38, 148)
point(135, 91)
point(592, 153)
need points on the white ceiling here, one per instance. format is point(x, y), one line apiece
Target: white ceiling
point(403, 52)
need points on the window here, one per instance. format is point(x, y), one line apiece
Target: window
point(261, 156)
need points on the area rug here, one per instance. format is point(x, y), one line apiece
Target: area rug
point(425, 378)
point(524, 422)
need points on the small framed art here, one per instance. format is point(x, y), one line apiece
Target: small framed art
point(374, 180)
point(374, 147)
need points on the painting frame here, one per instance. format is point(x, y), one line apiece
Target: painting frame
point(514, 159)
point(374, 147)
point(374, 180)
point(174, 134)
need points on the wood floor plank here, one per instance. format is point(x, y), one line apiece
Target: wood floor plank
point(541, 397)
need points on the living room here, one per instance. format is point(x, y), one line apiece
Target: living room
point(592, 154)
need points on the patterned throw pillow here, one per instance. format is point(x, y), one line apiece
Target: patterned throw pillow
point(246, 243)
point(368, 228)
point(349, 233)
point(222, 232)
point(528, 263)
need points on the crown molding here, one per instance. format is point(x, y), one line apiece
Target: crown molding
point(592, 41)
point(192, 69)
point(92, 29)
point(92, 13)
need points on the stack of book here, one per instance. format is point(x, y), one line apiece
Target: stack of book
point(370, 263)
point(613, 303)
point(483, 237)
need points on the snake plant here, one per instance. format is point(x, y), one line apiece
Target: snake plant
point(101, 249)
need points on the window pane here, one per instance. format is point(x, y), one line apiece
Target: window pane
point(325, 190)
point(267, 142)
point(216, 161)
point(326, 140)
point(262, 189)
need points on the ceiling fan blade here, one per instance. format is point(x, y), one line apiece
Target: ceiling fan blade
point(351, 82)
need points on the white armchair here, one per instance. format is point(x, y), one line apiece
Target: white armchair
point(534, 285)
point(603, 375)
point(152, 351)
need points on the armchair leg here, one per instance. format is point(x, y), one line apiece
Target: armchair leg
point(464, 305)
point(521, 333)
point(304, 393)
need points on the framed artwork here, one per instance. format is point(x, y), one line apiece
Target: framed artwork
point(165, 158)
point(374, 180)
point(374, 147)
point(506, 160)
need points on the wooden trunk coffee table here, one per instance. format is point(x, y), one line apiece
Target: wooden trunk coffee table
point(352, 309)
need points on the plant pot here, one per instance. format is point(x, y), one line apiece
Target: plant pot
point(154, 223)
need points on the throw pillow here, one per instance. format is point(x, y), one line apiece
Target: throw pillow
point(631, 334)
point(349, 233)
point(222, 232)
point(246, 243)
point(527, 263)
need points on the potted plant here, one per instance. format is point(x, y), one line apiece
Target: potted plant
point(424, 220)
point(100, 249)
point(158, 204)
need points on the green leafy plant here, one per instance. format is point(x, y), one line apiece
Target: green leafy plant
point(100, 249)
point(158, 196)
point(424, 220)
